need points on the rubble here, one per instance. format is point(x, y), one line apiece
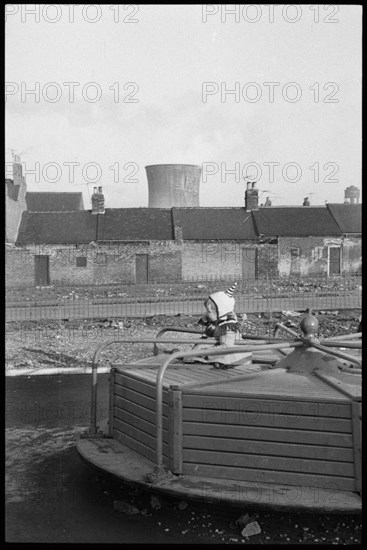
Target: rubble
point(243, 520)
point(68, 344)
point(251, 529)
point(291, 313)
point(125, 507)
point(155, 502)
point(182, 505)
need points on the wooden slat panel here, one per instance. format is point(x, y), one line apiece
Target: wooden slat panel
point(139, 423)
point(269, 406)
point(277, 383)
point(343, 382)
point(187, 374)
point(128, 435)
point(131, 433)
point(286, 394)
point(179, 375)
point(111, 401)
point(340, 454)
point(357, 442)
point(135, 445)
point(131, 405)
point(233, 418)
point(269, 434)
point(269, 476)
point(135, 397)
point(140, 386)
point(135, 410)
point(136, 385)
point(263, 462)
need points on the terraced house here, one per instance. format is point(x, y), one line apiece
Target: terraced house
point(56, 241)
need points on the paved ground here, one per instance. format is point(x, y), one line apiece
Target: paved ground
point(52, 496)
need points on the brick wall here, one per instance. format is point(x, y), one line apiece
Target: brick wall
point(314, 255)
point(105, 263)
point(115, 263)
point(225, 258)
point(267, 263)
point(352, 255)
point(303, 255)
point(19, 267)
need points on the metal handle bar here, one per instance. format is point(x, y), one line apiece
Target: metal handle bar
point(352, 336)
point(341, 344)
point(329, 351)
point(278, 326)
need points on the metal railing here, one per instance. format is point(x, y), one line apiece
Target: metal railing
point(269, 294)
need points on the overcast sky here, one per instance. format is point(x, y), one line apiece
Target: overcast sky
point(151, 85)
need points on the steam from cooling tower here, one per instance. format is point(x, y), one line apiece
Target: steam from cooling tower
point(173, 185)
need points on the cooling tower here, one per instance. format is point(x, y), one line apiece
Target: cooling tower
point(173, 185)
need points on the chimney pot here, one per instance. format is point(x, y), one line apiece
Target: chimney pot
point(248, 185)
point(253, 184)
point(97, 201)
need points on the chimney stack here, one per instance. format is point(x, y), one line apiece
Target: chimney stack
point(306, 201)
point(18, 178)
point(98, 201)
point(251, 197)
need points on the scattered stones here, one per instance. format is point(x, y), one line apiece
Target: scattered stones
point(291, 313)
point(155, 503)
point(182, 505)
point(251, 529)
point(125, 507)
point(243, 520)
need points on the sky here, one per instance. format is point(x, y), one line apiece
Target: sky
point(271, 93)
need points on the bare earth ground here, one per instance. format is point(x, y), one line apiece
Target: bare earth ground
point(51, 344)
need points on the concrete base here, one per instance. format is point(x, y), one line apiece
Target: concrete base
point(111, 457)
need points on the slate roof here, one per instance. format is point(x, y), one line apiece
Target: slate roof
point(135, 224)
point(116, 224)
point(214, 223)
point(57, 227)
point(294, 221)
point(347, 216)
point(149, 224)
point(54, 202)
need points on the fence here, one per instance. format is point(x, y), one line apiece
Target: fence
point(182, 297)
